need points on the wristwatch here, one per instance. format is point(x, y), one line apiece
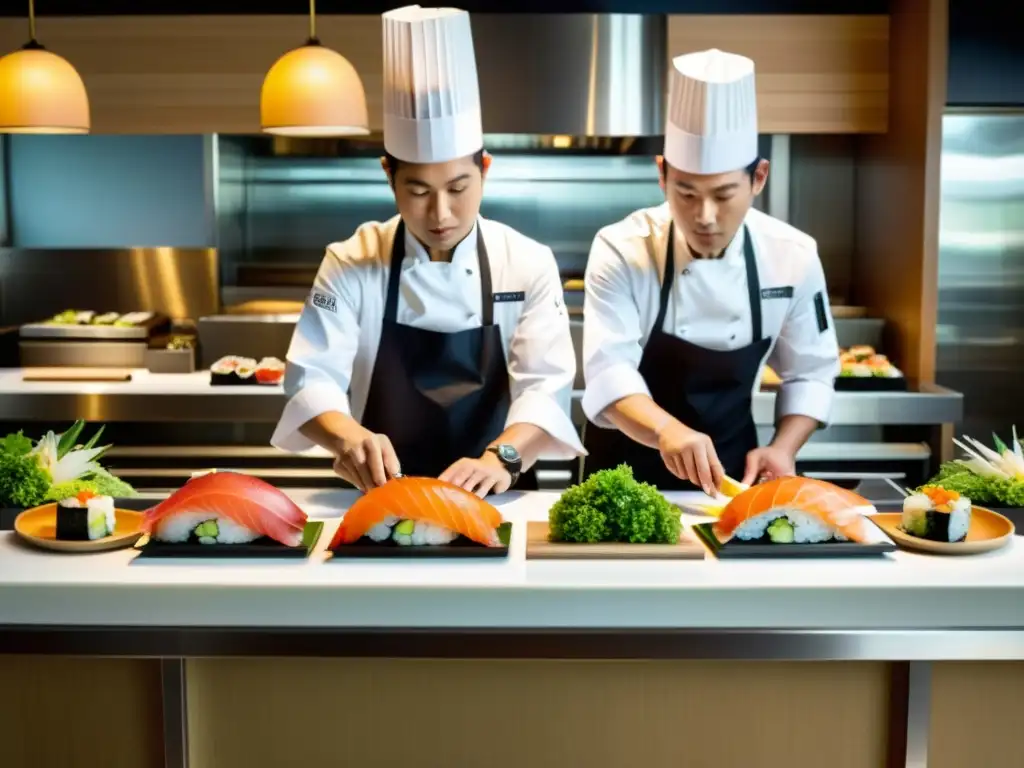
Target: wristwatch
point(510, 458)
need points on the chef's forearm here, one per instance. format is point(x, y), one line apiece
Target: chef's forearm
point(793, 431)
point(528, 439)
point(328, 429)
point(640, 418)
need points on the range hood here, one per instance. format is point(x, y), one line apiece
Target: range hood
point(572, 74)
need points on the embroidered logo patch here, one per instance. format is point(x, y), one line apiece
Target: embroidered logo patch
point(509, 296)
point(781, 292)
point(820, 312)
point(325, 301)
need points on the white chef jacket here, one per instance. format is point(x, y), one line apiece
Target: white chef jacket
point(709, 306)
point(333, 350)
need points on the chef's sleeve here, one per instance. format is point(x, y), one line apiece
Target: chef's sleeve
point(321, 353)
point(542, 362)
point(611, 333)
point(806, 355)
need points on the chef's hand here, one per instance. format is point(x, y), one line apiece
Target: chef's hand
point(364, 458)
point(480, 476)
point(690, 455)
point(768, 463)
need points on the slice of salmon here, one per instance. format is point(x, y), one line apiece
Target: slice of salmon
point(247, 500)
point(837, 507)
point(423, 499)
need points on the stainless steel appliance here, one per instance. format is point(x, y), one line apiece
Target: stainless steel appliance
point(980, 331)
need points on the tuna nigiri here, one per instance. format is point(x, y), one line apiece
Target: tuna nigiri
point(795, 510)
point(418, 511)
point(226, 508)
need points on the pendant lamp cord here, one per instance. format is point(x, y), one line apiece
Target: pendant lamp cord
point(312, 20)
point(32, 20)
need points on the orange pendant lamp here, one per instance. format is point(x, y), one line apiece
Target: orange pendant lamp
point(40, 92)
point(313, 91)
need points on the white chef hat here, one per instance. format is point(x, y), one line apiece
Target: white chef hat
point(712, 113)
point(431, 93)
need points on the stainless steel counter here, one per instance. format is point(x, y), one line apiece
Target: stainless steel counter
point(189, 397)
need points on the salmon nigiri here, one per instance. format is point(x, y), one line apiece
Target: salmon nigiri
point(226, 508)
point(419, 510)
point(794, 510)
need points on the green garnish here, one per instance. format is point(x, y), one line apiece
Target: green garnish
point(405, 527)
point(611, 505)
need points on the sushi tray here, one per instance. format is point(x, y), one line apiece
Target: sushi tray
point(89, 326)
point(263, 547)
point(764, 547)
point(986, 530)
point(539, 547)
point(9, 514)
point(460, 548)
point(865, 370)
point(236, 371)
point(83, 528)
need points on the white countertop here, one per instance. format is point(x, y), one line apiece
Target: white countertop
point(898, 591)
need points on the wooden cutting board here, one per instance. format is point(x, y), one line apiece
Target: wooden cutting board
point(539, 548)
point(76, 374)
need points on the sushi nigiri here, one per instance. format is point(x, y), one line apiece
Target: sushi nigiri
point(226, 508)
point(85, 517)
point(936, 514)
point(797, 510)
point(419, 511)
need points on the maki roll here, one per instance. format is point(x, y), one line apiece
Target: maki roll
point(245, 371)
point(85, 517)
point(270, 371)
point(233, 370)
point(936, 514)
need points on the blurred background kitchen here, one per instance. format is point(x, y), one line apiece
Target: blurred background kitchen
point(221, 231)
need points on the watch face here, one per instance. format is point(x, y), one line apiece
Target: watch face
point(508, 453)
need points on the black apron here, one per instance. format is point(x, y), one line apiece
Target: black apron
point(708, 390)
point(439, 397)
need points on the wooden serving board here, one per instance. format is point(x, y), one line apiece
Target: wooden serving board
point(539, 548)
point(76, 374)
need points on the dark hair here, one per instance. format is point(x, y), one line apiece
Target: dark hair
point(393, 163)
point(750, 169)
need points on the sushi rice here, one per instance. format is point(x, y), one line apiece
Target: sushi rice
point(806, 528)
point(208, 529)
point(410, 533)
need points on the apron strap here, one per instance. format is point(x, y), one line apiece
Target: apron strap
point(395, 276)
point(667, 278)
point(753, 285)
point(486, 291)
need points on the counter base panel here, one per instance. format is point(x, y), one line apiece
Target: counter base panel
point(992, 644)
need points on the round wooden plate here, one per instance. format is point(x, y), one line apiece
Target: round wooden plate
point(38, 526)
point(989, 530)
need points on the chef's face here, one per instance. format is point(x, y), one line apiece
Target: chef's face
point(710, 209)
point(439, 202)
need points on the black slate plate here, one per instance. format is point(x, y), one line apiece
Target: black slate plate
point(763, 548)
point(8, 514)
point(460, 548)
point(260, 548)
point(870, 384)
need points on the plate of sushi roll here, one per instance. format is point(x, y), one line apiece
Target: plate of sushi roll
point(243, 371)
point(942, 521)
point(864, 369)
point(228, 514)
point(420, 517)
point(87, 522)
point(794, 517)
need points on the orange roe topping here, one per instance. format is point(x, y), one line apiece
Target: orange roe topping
point(939, 496)
point(84, 496)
